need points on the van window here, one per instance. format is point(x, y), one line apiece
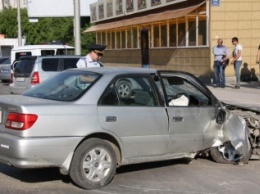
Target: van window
point(21, 54)
point(24, 68)
point(70, 63)
point(65, 52)
point(47, 52)
point(50, 64)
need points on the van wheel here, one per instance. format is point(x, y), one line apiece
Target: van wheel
point(93, 164)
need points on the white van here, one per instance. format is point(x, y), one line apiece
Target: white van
point(40, 50)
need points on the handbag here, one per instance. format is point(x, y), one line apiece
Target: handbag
point(225, 62)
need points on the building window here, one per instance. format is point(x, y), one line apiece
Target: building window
point(181, 33)
point(129, 38)
point(98, 40)
point(104, 41)
point(118, 38)
point(156, 37)
point(188, 31)
point(192, 26)
point(123, 38)
point(135, 37)
point(113, 40)
point(202, 37)
point(163, 35)
point(108, 40)
point(172, 34)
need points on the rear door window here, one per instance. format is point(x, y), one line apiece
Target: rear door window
point(70, 63)
point(50, 64)
point(24, 68)
point(65, 52)
point(21, 54)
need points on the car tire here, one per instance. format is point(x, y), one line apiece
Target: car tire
point(124, 88)
point(218, 156)
point(93, 164)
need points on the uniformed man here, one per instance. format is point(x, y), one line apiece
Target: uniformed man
point(92, 59)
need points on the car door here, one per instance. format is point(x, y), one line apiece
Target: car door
point(191, 114)
point(129, 109)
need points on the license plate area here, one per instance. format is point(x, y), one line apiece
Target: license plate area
point(5, 71)
point(20, 79)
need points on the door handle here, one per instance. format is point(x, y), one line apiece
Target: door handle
point(177, 119)
point(111, 119)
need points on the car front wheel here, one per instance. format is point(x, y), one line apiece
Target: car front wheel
point(93, 164)
point(226, 154)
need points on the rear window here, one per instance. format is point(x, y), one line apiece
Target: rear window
point(24, 68)
point(50, 64)
point(65, 86)
point(70, 63)
point(5, 61)
point(21, 54)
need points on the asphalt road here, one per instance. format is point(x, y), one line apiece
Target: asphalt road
point(201, 176)
point(170, 177)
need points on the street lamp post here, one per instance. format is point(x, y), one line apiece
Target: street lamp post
point(19, 24)
point(77, 26)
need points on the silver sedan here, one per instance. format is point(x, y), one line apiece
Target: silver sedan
point(88, 122)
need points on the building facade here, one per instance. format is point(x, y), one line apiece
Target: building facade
point(181, 33)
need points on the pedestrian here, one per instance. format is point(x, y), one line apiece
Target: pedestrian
point(237, 59)
point(258, 55)
point(220, 53)
point(92, 59)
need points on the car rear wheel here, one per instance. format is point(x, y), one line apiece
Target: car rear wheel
point(93, 164)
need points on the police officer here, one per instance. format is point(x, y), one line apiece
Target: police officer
point(93, 56)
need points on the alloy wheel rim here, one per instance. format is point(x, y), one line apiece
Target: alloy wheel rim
point(97, 164)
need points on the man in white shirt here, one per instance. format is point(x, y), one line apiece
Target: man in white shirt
point(93, 56)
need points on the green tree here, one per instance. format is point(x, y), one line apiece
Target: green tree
point(45, 31)
point(86, 39)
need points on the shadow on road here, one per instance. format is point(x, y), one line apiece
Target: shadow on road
point(34, 175)
point(151, 165)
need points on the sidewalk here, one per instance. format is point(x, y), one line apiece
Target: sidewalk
point(248, 95)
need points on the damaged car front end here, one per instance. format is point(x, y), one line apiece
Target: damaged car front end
point(252, 122)
point(232, 144)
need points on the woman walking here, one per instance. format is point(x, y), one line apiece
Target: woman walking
point(237, 59)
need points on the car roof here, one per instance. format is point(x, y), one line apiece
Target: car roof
point(42, 47)
point(50, 56)
point(117, 70)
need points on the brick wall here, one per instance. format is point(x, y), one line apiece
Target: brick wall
point(240, 18)
point(193, 60)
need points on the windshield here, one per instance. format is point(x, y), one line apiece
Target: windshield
point(65, 86)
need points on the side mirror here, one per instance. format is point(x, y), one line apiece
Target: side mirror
point(221, 116)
